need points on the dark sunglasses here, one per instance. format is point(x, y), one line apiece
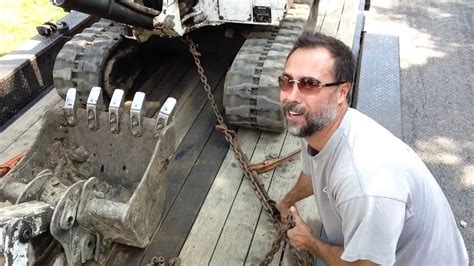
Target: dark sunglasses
point(305, 84)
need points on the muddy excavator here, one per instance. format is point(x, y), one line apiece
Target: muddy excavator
point(81, 187)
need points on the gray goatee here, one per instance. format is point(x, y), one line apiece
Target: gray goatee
point(315, 122)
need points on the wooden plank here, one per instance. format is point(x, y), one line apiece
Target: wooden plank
point(152, 78)
point(207, 228)
point(184, 90)
point(25, 140)
point(346, 29)
point(26, 120)
point(23, 143)
point(332, 18)
point(189, 109)
point(148, 87)
point(323, 7)
point(238, 230)
point(189, 151)
point(168, 82)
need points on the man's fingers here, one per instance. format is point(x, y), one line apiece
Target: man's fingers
point(293, 237)
point(284, 211)
point(296, 216)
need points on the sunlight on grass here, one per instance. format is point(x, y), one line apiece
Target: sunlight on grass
point(19, 18)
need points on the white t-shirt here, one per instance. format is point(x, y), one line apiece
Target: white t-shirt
point(379, 200)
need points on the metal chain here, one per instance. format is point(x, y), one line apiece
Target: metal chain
point(231, 138)
point(282, 237)
point(160, 261)
point(277, 243)
point(255, 182)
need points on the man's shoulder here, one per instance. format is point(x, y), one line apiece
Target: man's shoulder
point(370, 145)
point(358, 127)
point(366, 169)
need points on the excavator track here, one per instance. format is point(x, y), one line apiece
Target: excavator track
point(251, 94)
point(81, 61)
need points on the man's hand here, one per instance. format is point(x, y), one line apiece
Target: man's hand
point(302, 189)
point(300, 236)
point(284, 210)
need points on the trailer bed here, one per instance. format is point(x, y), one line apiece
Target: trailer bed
point(212, 215)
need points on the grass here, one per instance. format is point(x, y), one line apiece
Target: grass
point(19, 18)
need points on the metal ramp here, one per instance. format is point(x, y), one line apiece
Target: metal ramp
point(378, 90)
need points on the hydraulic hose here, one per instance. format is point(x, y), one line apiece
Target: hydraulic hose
point(140, 8)
point(108, 9)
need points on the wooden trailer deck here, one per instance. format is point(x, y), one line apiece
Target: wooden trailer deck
point(211, 215)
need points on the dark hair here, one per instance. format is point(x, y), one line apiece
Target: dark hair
point(343, 64)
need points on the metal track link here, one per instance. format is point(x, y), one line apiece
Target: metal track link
point(81, 61)
point(251, 94)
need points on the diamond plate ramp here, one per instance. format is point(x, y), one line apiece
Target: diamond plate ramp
point(378, 89)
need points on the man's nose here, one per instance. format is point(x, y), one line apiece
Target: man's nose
point(294, 93)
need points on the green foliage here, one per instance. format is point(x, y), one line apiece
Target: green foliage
point(19, 18)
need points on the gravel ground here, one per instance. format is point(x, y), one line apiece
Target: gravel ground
point(437, 73)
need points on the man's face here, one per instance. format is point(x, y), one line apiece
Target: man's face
point(309, 111)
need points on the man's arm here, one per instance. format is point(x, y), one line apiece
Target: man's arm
point(302, 189)
point(302, 238)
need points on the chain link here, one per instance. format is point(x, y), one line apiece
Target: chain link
point(277, 243)
point(160, 261)
point(255, 182)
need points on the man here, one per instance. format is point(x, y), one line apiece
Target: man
point(378, 202)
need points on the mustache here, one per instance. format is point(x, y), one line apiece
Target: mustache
point(293, 107)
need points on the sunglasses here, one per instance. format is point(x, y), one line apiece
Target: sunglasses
point(305, 84)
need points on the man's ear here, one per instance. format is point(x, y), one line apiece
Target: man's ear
point(343, 92)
